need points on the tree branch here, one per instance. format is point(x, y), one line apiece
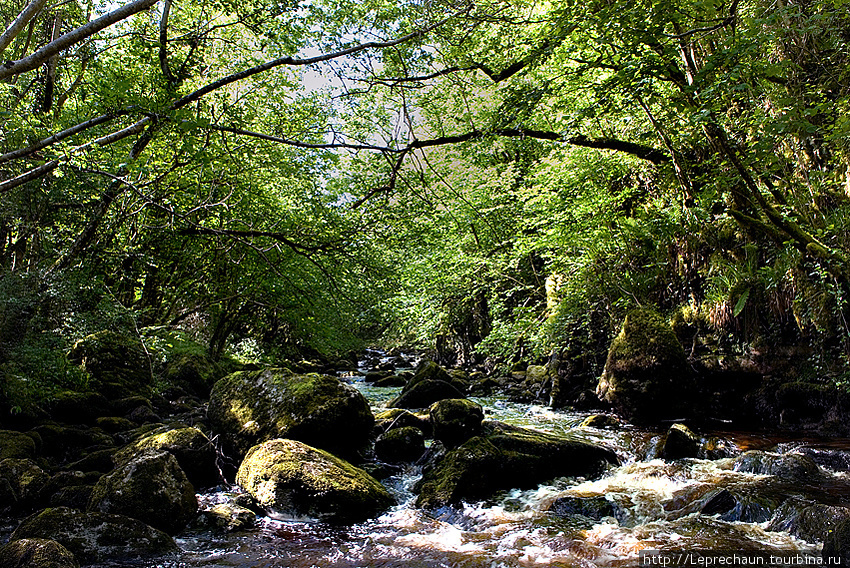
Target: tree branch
point(28, 13)
point(32, 61)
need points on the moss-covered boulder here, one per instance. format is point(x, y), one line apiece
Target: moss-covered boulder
point(194, 372)
point(194, 452)
point(399, 445)
point(150, 487)
point(21, 482)
point(680, 442)
point(290, 477)
point(230, 517)
point(96, 537)
point(250, 407)
point(425, 393)
point(118, 364)
point(16, 445)
point(506, 457)
point(73, 407)
point(455, 420)
point(600, 421)
point(36, 553)
point(646, 377)
point(399, 418)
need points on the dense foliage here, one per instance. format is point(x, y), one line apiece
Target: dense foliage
point(500, 179)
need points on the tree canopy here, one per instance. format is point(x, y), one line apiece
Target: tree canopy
point(494, 179)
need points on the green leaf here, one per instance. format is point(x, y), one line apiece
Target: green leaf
point(742, 301)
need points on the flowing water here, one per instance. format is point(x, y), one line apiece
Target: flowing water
point(656, 506)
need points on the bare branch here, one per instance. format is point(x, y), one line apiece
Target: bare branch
point(11, 68)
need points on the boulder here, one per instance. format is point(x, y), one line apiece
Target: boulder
point(73, 407)
point(455, 420)
point(194, 372)
point(73, 496)
point(287, 476)
point(118, 364)
point(96, 537)
point(250, 407)
point(680, 442)
point(807, 520)
point(405, 444)
point(36, 553)
point(596, 508)
point(16, 445)
point(600, 421)
point(21, 482)
point(149, 487)
point(646, 377)
point(506, 457)
point(399, 418)
point(836, 545)
point(425, 393)
point(789, 467)
point(230, 517)
point(194, 452)
point(391, 381)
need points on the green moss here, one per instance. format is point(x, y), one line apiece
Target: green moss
point(291, 477)
point(150, 487)
point(455, 420)
point(251, 406)
point(506, 457)
point(16, 445)
point(96, 537)
point(192, 448)
point(36, 553)
point(646, 376)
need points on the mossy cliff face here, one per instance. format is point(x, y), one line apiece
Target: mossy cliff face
point(150, 487)
point(250, 407)
point(646, 376)
point(290, 477)
point(505, 457)
point(96, 537)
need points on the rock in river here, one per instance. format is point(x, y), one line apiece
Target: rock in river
point(150, 487)
point(250, 407)
point(290, 477)
point(506, 457)
point(96, 537)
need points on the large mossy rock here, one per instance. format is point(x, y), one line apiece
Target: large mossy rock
point(96, 537)
point(21, 482)
point(429, 384)
point(118, 364)
point(506, 457)
point(287, 476)
point(193, 449)
point(425, 393)
point(250, 407)
point(36, 553)
point(73, 407)
point(16, 445)
point(399, 445)
point(194, 372)
point(646, 377)
point(455, 420)
point(150, 487)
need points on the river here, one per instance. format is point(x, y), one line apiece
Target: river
point(656, 506)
